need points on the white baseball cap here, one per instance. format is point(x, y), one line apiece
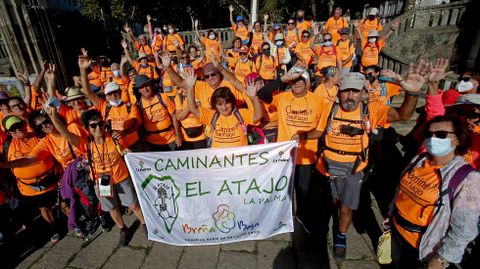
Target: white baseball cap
point(111, 87)
point(373, 11)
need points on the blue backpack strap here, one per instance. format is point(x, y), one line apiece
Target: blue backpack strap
point(458, 178)
point(161, 101)
point(213, 122)
point(240, 120)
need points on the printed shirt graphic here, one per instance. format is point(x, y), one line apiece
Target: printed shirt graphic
point(228, 131)
point(419, 190)
point(338, 141)
point(299, 115)
point(157, 118)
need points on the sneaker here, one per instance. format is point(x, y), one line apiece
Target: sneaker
point(55, 238)
point(340, 246)
point(78, 232)
point(123, 241)
point(104, 222)
point(303, 225)
point(144, 228)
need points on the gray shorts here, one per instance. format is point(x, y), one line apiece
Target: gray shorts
point(347, 189)
point(123, 192)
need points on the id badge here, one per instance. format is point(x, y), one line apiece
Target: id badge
point(104, 190)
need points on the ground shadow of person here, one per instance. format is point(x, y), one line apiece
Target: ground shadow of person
point(310, 251)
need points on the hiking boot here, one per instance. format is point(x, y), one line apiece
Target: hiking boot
point(78, 232)
point(104, 223)
point(124, 234)
point(55, 238)
point(340, 246)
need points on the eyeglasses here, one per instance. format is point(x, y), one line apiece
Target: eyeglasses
point(185, 57)
point(465, 79)
point(94, 125)
point(44, 123)
point(242, 53)
point(16, 106)
point(370, 74)
point(306, 36)
point(438, 134)
point(291, 23)
point(266, 48)
point(351, 90)
point(326, 40)
point(15, 127)
point(210, 75)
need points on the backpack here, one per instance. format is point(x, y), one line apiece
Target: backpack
point(296, 32)
point(261, 61)
point(109, 107)
point(140, 107)
point(364, 121)
point(213, 122)
point(334, 51)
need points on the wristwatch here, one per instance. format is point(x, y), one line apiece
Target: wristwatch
point(445, 263)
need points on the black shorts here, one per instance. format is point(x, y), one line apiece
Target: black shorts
point(47, 199)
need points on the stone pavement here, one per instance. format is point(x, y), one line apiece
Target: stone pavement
point(285, 251)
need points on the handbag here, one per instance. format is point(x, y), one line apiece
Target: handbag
point(384, 249)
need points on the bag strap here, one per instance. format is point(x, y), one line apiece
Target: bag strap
point(89, 156)
point(240, 120)
point(71, 150)
point(458, 178)
point(213, 122)
point(6, 147)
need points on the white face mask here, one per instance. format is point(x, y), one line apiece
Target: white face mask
point(115, 103)
point(116, 73)
point(438, 147)
point(170, 31)
point(464, 86)
point(328, 43)
point(243, 60)
point(211, 36)
point(372, 40)
point(279, 43)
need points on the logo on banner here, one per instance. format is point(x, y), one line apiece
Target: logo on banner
point(224, 218)
point(141, 167)
point(163, 194)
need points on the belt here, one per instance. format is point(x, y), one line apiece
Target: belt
point(407, 225)
point(343, 152)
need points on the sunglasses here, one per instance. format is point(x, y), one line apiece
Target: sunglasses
point(437, 134)
point(211, 75)
point(44, 122)
point(94, 125)
point(291, 23)
point(15, 127)
point(465, 79)
point(266, 48)
point(243, 53)
point(326, 40)
point(186, 57)
point(306, 36)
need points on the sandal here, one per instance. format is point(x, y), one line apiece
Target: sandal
point(340, 246)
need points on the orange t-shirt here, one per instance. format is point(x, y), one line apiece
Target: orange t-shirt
point(149, 70)
point(190, 121)
point(292, 36)
point(327, 56)
point(170, 41)
point(70, 115)
point(257, 41)
point(297, 115)
point(242, 70)
point(19, 149)
point(241, 32)
point(303, 26)
point(57, 145)
point(118, 116)
point(336, 140)
point(375, 95)
point(228, 132)
point(415, 201)
point(158, 44)
point(167, 79)
point(266, 67)
point(305, 51)
point(211, 46)
point(203, 92)
point(232, 57)
point(333, 25)
point(36, 102)
point(94, 78)
point(156, 118)
point(367, 25)
point(328, 95)
point(106, 159)
point(345, 49)
point(143, 48)
point(104, 74)
point(371, 53)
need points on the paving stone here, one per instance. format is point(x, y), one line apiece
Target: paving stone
point(358, 264)
point(248, 246)
point(60, 254)
point(234, 260)
point(126, 257)
point(200, 257)
point(275, 254)
point(35, 256)
point(165, 255)
point(287, 237)
point(139, 239)
point(357, 247)
point(97, 252)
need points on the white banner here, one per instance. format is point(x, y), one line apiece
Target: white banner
point(212, 196)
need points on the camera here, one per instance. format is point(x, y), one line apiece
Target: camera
point(104, 180)
point(351, 131)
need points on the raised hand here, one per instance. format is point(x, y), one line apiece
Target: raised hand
point(250, 28)
point(316, 29)
point(84, 52)
point(251, 89)
point(190, 78)
point(416, 77)
point(22, 76)
point(84, 62)
point(214, 59)
point(437, 70)
point(196, 24)
point(291, 75)
point(45, 65)
point(395, 23)
point(265, 17)
point(355, 23)
point(230, 7)
point(50, 74)
point(149, 18)
point(124, 43)
point(51, 111)
point(124, 59)
point(166, 60)
point(197, 43)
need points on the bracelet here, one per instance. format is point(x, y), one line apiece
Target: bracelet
point(393, 28)
point(413, 94)
point(445, 263)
